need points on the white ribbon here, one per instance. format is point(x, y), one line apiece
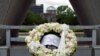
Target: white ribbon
point(61, 48)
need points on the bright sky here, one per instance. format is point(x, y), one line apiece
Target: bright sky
point(54, 3)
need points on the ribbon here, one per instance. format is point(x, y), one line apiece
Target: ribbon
point(61, 48)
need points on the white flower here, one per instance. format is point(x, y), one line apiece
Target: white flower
point(32, 43)
point(65, 27)
point(31, 33)
point(28, 39)
point(70, 44)
point(68, 51)
point(49, 55)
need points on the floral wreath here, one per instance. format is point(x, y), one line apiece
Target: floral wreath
point(67, 45)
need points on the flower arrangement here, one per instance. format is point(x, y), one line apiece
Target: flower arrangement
point(68, 38)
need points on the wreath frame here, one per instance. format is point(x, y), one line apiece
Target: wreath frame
point(36, 48)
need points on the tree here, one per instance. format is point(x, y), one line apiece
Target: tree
point(66, 15)
point(33, 18)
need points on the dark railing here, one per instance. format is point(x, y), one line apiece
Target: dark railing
point(84, 39)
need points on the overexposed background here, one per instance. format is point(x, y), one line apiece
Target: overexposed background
point(54, 3)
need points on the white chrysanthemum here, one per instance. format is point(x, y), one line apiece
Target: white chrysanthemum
point(70, 44)
point(28, 39)
point(31, 33)
point(65, 27)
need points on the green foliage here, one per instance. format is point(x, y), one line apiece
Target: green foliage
point(33, 19)
point(66, 15)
